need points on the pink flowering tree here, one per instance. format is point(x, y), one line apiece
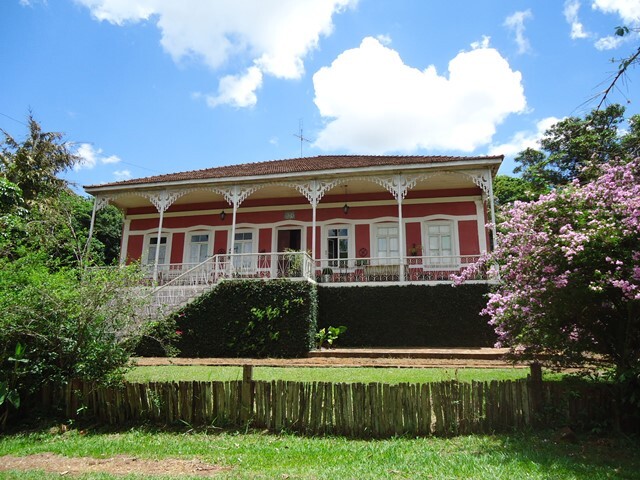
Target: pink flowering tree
point(568, 270)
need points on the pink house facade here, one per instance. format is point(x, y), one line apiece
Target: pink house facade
point(337, 220)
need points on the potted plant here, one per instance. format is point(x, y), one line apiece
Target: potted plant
point(327, 273)
point(416, 250)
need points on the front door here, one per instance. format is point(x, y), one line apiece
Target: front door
point(287, 240)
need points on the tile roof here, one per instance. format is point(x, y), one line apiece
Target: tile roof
point(300, 165)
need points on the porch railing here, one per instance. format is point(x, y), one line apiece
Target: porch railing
point(300, 265)
point(240, 265)
point(394, 269)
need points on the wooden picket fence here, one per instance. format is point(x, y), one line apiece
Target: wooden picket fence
point(351, 409)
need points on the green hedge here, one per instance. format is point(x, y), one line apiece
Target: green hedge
point(407, 316)
point(250, 319)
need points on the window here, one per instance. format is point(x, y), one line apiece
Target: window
point(440, 245)
point(198, 248)
point(151, 251)
point(338, 246)
point(387, 244)
point(243, 246)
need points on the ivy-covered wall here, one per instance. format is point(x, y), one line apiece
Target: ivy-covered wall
point(407, 316)
point(250, 319)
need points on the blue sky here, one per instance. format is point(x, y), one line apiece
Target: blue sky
point(143, 87)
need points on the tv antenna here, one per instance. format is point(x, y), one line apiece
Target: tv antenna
point(301, 137)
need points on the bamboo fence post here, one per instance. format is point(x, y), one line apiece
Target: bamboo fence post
point(247, 393)
point(535, 388)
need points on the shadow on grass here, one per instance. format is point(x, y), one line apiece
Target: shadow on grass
point(515, 455)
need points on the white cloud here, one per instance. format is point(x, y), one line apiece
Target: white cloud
point(110, 159)
point(374, 103)
point(90, 157)
point(627, 10)
point(122, 174)
point(237, 90)
point(610, 42)
point(629, 13)
point(571, 8)
point(269, 36)
point(524, 139)
point(515, 23)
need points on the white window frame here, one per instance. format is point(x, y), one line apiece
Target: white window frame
point(453, 225)
point(350, 244)
point(186, 257)
point(374, 242)
point(247, 264)
point(147, 243)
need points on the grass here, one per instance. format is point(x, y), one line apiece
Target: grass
point(254, 455)
point(328, 374)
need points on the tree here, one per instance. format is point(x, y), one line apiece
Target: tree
point(623, 66)
point(574, 148)
point(508, 189)
point(59, 319)
point(569, 275)
point(51, 217)
point(35, 163)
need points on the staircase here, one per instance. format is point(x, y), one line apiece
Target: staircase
point(180, 290)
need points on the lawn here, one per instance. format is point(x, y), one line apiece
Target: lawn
point(253, 455)
point(326, 374)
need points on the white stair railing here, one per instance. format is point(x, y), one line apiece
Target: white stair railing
point(181, 289)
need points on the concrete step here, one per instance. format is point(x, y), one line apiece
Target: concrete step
point(418, 353)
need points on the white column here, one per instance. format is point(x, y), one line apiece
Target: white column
point(162, 201)
point(402, 248)
point(155, 261)
point(493, 211)
point(482, 232)
point(125, 241)
point(233, 226)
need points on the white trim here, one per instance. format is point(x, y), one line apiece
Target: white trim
point(373, 236)
point(147, 240)
point(482, 235)
point(324, 235)
point(190, 232)
point(243, 229)
point(305, 206)
point(441, 219)
point(290, 225)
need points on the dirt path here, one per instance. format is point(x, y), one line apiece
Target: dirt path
point(117, 465)
point(400, 358)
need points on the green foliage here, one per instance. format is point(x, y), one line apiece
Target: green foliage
point(9, 392)
point(576, 148)
point(508, 189)
point(250, 319)
point(34, 163)
point(326, 337)
point(158, 339)
point(406, 316)
point(69, 323)
point(39, 213)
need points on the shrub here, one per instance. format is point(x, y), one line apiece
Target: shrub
point(406, 316)
point(63, 325)
point(250, 319)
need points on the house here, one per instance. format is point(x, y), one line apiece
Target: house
point(352, 219)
